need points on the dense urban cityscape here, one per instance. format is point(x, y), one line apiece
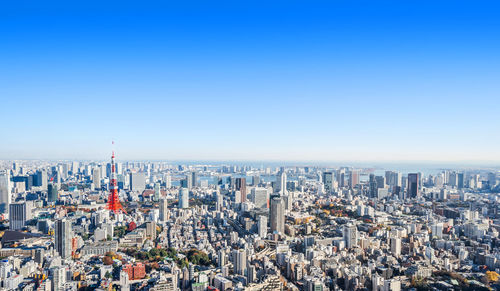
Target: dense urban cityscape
point(88, 225)
point(260, 145)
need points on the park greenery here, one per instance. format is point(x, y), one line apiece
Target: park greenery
point(192, 256)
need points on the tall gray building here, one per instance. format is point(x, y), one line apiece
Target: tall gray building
point(41, 179)
point(240, 262)
point(260, 196)
point(413, 185)
point(281, 180)
point(96, 177)
point(63, 237)
point(277, 214)
point(5, 195)
point(52, 192)
point(137, 182)
point(184, 198)
point(19, 213)
point(163, 209)
point(328, 181)
point(262, 226)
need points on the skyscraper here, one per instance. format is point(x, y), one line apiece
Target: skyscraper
point(492, 180)
point(413, 185)
point(396, 246)
point(218, 201)
point(282, 182)
point(156, 196)
point(354, 178)
point(241, 186)
point(52, 192)
point(19, 213)
point(350, 234)
point(168, 181)
point(5, 196)
point(63, 237)
point(41, 179)
point(184, 198)
point(260, 197)
point(328, 181)
point(58, 278)
point(137, 182)
point(372, 186)
point(255, 180)
point(262, 226)
point(277, 214)
point(188, 182)
point(240, 262)
point(163, 210)
point(96, 177)
point(194, 179)
point(460, 180)
point(380, 181)
point(341, 177)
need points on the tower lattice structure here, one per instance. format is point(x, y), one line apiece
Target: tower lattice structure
point(114, 204)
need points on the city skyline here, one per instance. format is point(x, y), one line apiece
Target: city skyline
point(260, 81)
point(249, 145)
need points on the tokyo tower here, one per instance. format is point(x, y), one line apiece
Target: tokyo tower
point(114, 204)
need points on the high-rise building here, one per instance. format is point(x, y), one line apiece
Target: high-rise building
point(372, 187)
point(184, 198)
point(413, 185)
point(277, 214)
point(350, 234)
point(354, 179)
point(163, 210)
point(63, 237)
point(255, 180)
point(240, 262)
point(156, 196)
point(328, 181)
point(41, 179)
point(396, 246)
point(137, 182)
point(492, 180)
point(96, 177)
point(168, 181)
point(218, 201)
point(260, 197)
point(58, 278)
point(19, 213)
point(108, 170)
point(452, 181)
point(151, 230)
point(221, 258)
point(341, 177)
point(262, 226)
point(52, 192)
point(241, 186)
point(460, 180)
point(194, 179)
point(282, 182)
point(252, 274)
point(380, 181)
point(5, 195)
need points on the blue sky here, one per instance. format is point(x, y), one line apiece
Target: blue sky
point(251, 80)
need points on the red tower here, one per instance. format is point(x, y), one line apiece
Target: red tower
point(113, 200)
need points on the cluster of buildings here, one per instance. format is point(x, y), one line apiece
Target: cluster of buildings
point(238, 227)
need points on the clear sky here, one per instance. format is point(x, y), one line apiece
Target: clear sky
point(251, 80)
